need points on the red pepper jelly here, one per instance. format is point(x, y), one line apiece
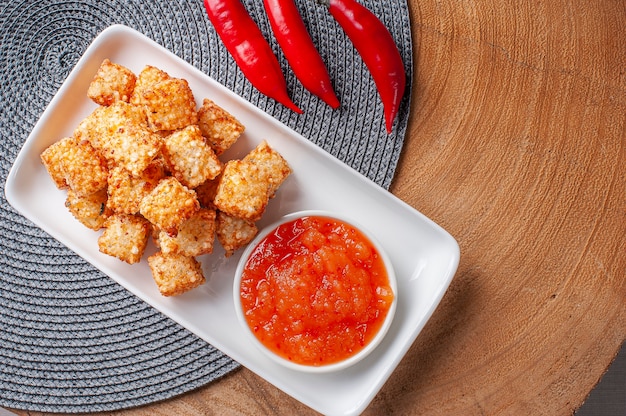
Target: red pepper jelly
point(315, 291)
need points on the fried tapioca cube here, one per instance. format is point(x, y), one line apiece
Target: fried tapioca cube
point(125, 237)
point(234, 233)
point(169, 204)
point(175, 273)
point(127, 190)
point(271, 163)
point(85, 170)
point(126, 140)
point(52, 158)
point(112, 82)
point(90, 210)
point(92, 127)
point(195, 235)
point(148, 76)
point(170, 105)
point(220, 128)
point(189, 158)
point(242, 191)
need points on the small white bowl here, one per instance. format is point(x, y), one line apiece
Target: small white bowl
point(302, 367)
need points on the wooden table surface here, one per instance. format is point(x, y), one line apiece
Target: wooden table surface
point(517, 146)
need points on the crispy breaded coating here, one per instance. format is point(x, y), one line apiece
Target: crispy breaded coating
point(52, 158)
point(169, 204)
point(112, 82)
point(206, 193)
point(175, 273)
point(127, 190)
point(126, 140)
point(84, 168)
point(195, 235)
point(246, 185)
point(234, 233)
point(92, 127)
point(125, 237)
point(220, 128)
point(148, 76)
point(170, 105)
point(189, 158)
point(242, 191)
point(271, 163)
point(90, 210)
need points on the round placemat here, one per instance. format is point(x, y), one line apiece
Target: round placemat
point(73, 340)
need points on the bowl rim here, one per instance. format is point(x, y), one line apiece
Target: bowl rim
point(353, 359)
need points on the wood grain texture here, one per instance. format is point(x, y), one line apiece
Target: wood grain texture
point(517, 146)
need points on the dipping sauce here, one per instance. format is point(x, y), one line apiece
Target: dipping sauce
point(315, 291)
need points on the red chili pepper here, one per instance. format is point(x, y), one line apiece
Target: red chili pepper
point(376, 46)
point(245, 42)
point(301, 53)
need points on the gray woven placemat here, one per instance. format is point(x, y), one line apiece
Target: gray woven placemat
point(73, 340)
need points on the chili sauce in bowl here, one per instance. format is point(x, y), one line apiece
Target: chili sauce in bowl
point(315, 292)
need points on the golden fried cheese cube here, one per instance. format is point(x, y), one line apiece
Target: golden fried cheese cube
point(170, 105)
point(148, 76)
point(90, 210)
point(169, 204)
point(52, 158)
point(112, 82)
point(195, 235)
point(242, 191)
point(273, 166)
point(234, 233)
point(220, 128)
point(175, 273)
point(189, 158)
point(125, 237)
point(126, 140)
point(84, 168)
point(126, 190)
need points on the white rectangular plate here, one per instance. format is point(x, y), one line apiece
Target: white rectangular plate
point(424, 255)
